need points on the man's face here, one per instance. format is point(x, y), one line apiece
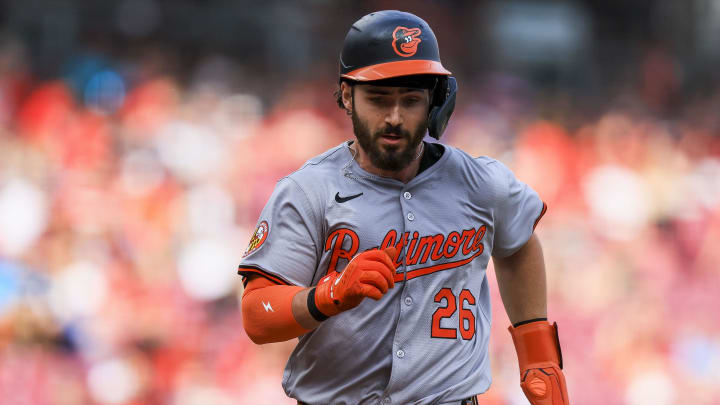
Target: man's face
point(389, 123)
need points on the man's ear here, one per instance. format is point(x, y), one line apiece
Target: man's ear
point(347, 95)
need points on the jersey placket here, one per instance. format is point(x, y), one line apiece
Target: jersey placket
point(401, 362)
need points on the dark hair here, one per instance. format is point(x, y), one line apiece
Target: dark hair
point(338, 94)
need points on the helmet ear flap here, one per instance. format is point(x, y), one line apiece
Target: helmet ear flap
point(443, 104)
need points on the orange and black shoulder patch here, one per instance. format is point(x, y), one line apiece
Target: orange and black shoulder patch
point(405, 41)
point(258, 238)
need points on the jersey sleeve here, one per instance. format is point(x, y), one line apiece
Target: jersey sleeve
point(517, 214)
point(283, 247)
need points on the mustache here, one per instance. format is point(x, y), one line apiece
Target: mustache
point(396, 130)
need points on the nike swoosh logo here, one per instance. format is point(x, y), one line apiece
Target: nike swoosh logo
point(345, 199)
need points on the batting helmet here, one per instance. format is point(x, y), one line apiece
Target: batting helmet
point(389, 44)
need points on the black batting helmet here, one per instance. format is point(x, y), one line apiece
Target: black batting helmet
point(389, 44)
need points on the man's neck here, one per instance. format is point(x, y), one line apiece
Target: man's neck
point(403, 175)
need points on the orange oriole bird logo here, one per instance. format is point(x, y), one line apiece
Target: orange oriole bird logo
point(258, 238)
point(405, 41)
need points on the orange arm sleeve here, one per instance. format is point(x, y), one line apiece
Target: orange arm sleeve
point(267, 311)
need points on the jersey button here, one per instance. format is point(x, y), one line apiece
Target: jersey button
point(410, 216)
point(408, 301)
point(400, 354)
point(407, 195)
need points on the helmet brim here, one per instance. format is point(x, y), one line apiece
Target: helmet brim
point(396, 69)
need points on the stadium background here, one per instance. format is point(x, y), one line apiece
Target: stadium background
point(139, 140)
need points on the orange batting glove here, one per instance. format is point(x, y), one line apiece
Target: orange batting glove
point(538, 350)
point(369, 274)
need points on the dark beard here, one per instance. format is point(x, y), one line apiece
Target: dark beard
point(390, 157)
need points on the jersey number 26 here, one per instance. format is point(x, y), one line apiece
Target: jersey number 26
point(466, 320)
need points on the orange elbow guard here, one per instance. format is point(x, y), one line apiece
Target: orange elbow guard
point(540, 359)
point(267, 312)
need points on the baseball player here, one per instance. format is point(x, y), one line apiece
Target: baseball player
point(374, 253)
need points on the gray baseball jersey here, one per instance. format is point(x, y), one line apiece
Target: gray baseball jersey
point(426, 340)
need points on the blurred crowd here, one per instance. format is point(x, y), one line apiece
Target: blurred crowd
point(127, 196)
